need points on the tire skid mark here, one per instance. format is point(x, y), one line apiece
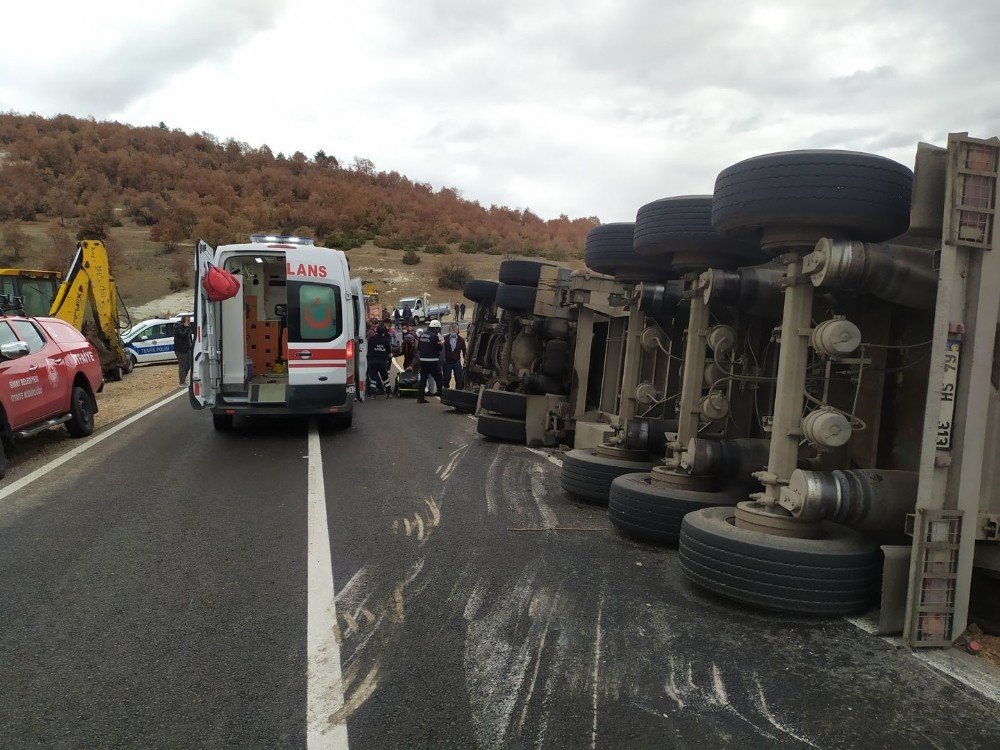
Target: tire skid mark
point(374, 599)
point(497, 656)
point(765, 710)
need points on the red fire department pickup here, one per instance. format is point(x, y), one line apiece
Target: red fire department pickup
point(49, 375)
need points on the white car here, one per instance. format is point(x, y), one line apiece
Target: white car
point(152, 341)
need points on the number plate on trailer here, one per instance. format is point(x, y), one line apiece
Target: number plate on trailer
point(949, 387)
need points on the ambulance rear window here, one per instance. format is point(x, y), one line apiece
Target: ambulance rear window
point(316, 312)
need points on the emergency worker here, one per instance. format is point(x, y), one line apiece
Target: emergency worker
point(429, 350)
point(379, 355)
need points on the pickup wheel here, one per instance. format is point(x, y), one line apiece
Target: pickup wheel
point(81, 411)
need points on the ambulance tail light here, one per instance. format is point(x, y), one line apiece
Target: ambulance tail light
point(350, 361)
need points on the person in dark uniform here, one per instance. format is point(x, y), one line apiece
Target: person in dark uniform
point(429, 350)
point(379, 355)
point(183, 347)
point(407, 315)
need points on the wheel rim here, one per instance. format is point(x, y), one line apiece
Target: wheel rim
point(83, 409)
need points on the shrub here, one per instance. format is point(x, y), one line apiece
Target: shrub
point(410, 258)
point(454, 274)
point(182, 272)
point(437, 249)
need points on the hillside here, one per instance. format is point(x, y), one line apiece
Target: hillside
point(152, 190)
point(144, 272)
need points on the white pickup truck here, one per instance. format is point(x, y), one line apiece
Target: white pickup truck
point(422, 308)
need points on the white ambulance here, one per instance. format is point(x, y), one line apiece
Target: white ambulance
point(292, 339)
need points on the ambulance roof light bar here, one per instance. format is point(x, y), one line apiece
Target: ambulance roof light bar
point(282, 238)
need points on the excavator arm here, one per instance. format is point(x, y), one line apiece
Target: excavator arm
point(89, 283)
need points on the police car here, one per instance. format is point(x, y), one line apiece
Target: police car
point(152, 341)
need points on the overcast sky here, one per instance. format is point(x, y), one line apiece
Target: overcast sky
point(590, 107)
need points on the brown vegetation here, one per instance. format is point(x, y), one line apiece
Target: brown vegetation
point(95, 176)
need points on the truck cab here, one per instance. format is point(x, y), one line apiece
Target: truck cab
point(289, 341)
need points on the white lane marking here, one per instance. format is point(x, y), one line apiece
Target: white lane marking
point(324, 681)
point(87, 445)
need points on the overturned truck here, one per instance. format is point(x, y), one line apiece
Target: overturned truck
point(824, 330)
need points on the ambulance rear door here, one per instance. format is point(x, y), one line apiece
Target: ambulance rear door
point(205, 370)
point(360, 329)
point(321, 344)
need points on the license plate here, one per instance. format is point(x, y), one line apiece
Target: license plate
point(949, 388)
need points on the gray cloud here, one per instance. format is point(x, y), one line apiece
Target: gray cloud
point(586, 107)
point(109, 73)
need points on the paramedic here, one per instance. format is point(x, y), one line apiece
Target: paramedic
point(183, 346)
point(379, 354)
point(454, 352)
point(429, 351)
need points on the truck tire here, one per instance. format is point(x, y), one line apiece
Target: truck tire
point(587, 475)
point(502, 428)
point(837, 575)
point(222, 422)
point(609, 250)
point(865, 196)
point(115, 374)
point(81, 413)
point(505, 404)
point(522, 272)
point(480, 290)
point(462, 401)
point(3, 460)
point(654, 514)
point(516, 298)
point(679, 231)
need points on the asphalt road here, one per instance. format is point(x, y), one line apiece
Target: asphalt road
point(154, 594)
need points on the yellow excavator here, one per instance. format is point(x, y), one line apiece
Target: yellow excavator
point(88, 285)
